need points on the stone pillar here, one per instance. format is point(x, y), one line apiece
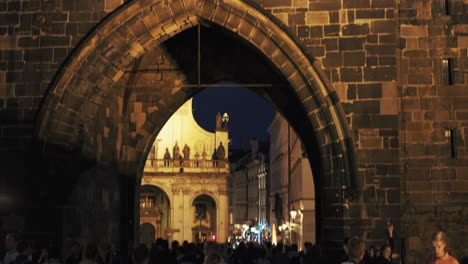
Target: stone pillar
point(222, 219)
point(187, 215)
point(177, 220)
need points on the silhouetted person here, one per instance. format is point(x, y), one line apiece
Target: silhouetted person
point(91, 254)
point(54, 255)
point(75, 254)
point(11, 242)
point(344, 252)
point(278, 257)
point(464, 260)
point(370, 256)
point(213, 259)
point(356, 249)
point(293, 255)
point(25, 253)
point(141, 255)
point(385, 255)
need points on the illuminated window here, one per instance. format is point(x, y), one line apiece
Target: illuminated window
point(447, 68)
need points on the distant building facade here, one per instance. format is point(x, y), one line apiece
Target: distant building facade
point(249, 176)
point(291, 185)
point(186, 171)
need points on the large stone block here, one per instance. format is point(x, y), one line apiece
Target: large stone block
point(296, 19)
point(355, 29)
point(383, 3)
point(357, 58)
point(55, 41)
point(382, 49)
point(331, 44)
point(351, 74)
point(276, 3)
point(383, 26)
point(9, 19)
point(385, 121)
point(38, 55)
point(325, 5)
point(393, 196)
point(356, 4)
point(373, 90)
point(317, 18)
point(370, 13)
point(420, 78)
point(332, 59)
point(379, 74)
point(364, 107)
point(413, 31)
point(331, 30)
point(351, 43)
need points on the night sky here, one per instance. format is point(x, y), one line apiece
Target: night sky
point(249, 114)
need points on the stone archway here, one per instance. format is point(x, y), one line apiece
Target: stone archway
point(205, 225)
point(155, 209)
point(77, 112)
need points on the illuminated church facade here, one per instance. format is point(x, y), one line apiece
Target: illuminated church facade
point(184, 182)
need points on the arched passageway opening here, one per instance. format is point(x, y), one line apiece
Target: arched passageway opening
point(155, 210)
point(204, 219)
point(122, 84)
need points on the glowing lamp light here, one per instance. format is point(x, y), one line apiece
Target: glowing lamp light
point(293, 213)
point(225, 117)
point(213, 238)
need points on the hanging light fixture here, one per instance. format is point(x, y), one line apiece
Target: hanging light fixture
point(293, 213)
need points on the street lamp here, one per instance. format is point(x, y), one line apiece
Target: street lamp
point(293, 213)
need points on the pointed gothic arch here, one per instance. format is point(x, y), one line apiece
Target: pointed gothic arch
point(102, 60)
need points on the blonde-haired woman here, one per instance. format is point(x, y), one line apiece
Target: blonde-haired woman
point(440, 256)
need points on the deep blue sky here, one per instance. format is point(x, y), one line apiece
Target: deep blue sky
point(249, 114)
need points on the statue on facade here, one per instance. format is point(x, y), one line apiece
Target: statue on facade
point(278, 209)
point(186, 152)
point(204, 153)
point(167, 157)
point(220, 152)
point(176, 152)
point(214, 156)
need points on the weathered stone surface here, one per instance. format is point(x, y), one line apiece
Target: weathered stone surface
point(366, 91)
point(413, 31)
point(325, 6)
point(380, 74)
point(351, 74)
point(351, 43)
point(355, 29)
point(333, 59)
point(402, 45)
point(276, 3)
point(356, 4)
point(383, 26)
point(317, 18)
point(370, 13)
point(354, 58)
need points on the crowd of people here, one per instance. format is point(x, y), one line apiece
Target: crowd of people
point(19, 251)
